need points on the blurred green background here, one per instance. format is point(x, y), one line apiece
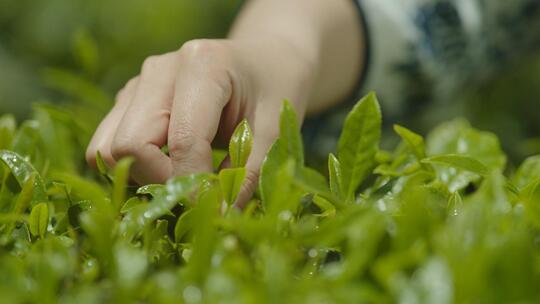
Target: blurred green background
point(84, 51)
point(100, 42)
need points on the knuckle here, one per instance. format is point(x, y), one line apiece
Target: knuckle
point(203, 49)
point(121, 95)
point(124, 93)
point(123, 147)
point(131, 84)
point(211, 59)
point(181, 143)
point(220, 87)
point(152, 64)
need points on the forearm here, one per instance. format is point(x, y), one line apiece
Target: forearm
point(327, 35)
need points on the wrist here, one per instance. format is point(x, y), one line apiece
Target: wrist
point(324, 36)
point(280, 68)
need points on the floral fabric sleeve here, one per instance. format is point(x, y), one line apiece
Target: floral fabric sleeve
point(430, 50)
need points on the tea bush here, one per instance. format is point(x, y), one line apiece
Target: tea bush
point(434, 221)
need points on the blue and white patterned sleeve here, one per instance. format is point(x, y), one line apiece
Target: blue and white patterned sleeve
point(431, 50)
point(434, 49)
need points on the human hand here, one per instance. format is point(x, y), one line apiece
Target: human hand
point(307, 51)
point(195, 97)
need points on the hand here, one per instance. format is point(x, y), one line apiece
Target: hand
point(307, 51)
point(196, 96)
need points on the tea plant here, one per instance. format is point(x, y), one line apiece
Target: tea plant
point(434, 221)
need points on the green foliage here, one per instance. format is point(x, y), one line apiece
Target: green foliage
point(231, 181)
point(458, 162)
point(287, 151)
point(359, 143)
point(39, 220)
point(240, 145)
point(433, 221)
point(414, 141)
point(334, 172)
point(23, 171)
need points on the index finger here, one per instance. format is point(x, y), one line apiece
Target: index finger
point(143, 128)
point(201, 93)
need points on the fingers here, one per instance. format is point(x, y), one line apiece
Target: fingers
point(143, 128)
point(202, 90)
point(179, 99)
point(151, 114)
point(103, 137)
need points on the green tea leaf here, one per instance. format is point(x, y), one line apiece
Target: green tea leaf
point(23, 200)
point(208, 204)
point(312, 182)
point(121, 176)
point(458, 137)
point(22, 170)
point(336, 182)
point(39, 220)
point(25, 196)
point(528, 172)
point(231, 181)
point(240, 145)
point(459, 162)
point(157, 244)
point(328, 210)
point(102, 166)
point(288, 146)
point(85, 189)
point(153, 190)
point(130, 204)
point(359, 143)
point(271, 164)
point(176, 189)
point(218, 156)
point(289, 133)
point(184, 225)
point(414, 141)
point(284, 195)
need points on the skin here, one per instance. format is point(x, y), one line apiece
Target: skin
point(307, 51)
